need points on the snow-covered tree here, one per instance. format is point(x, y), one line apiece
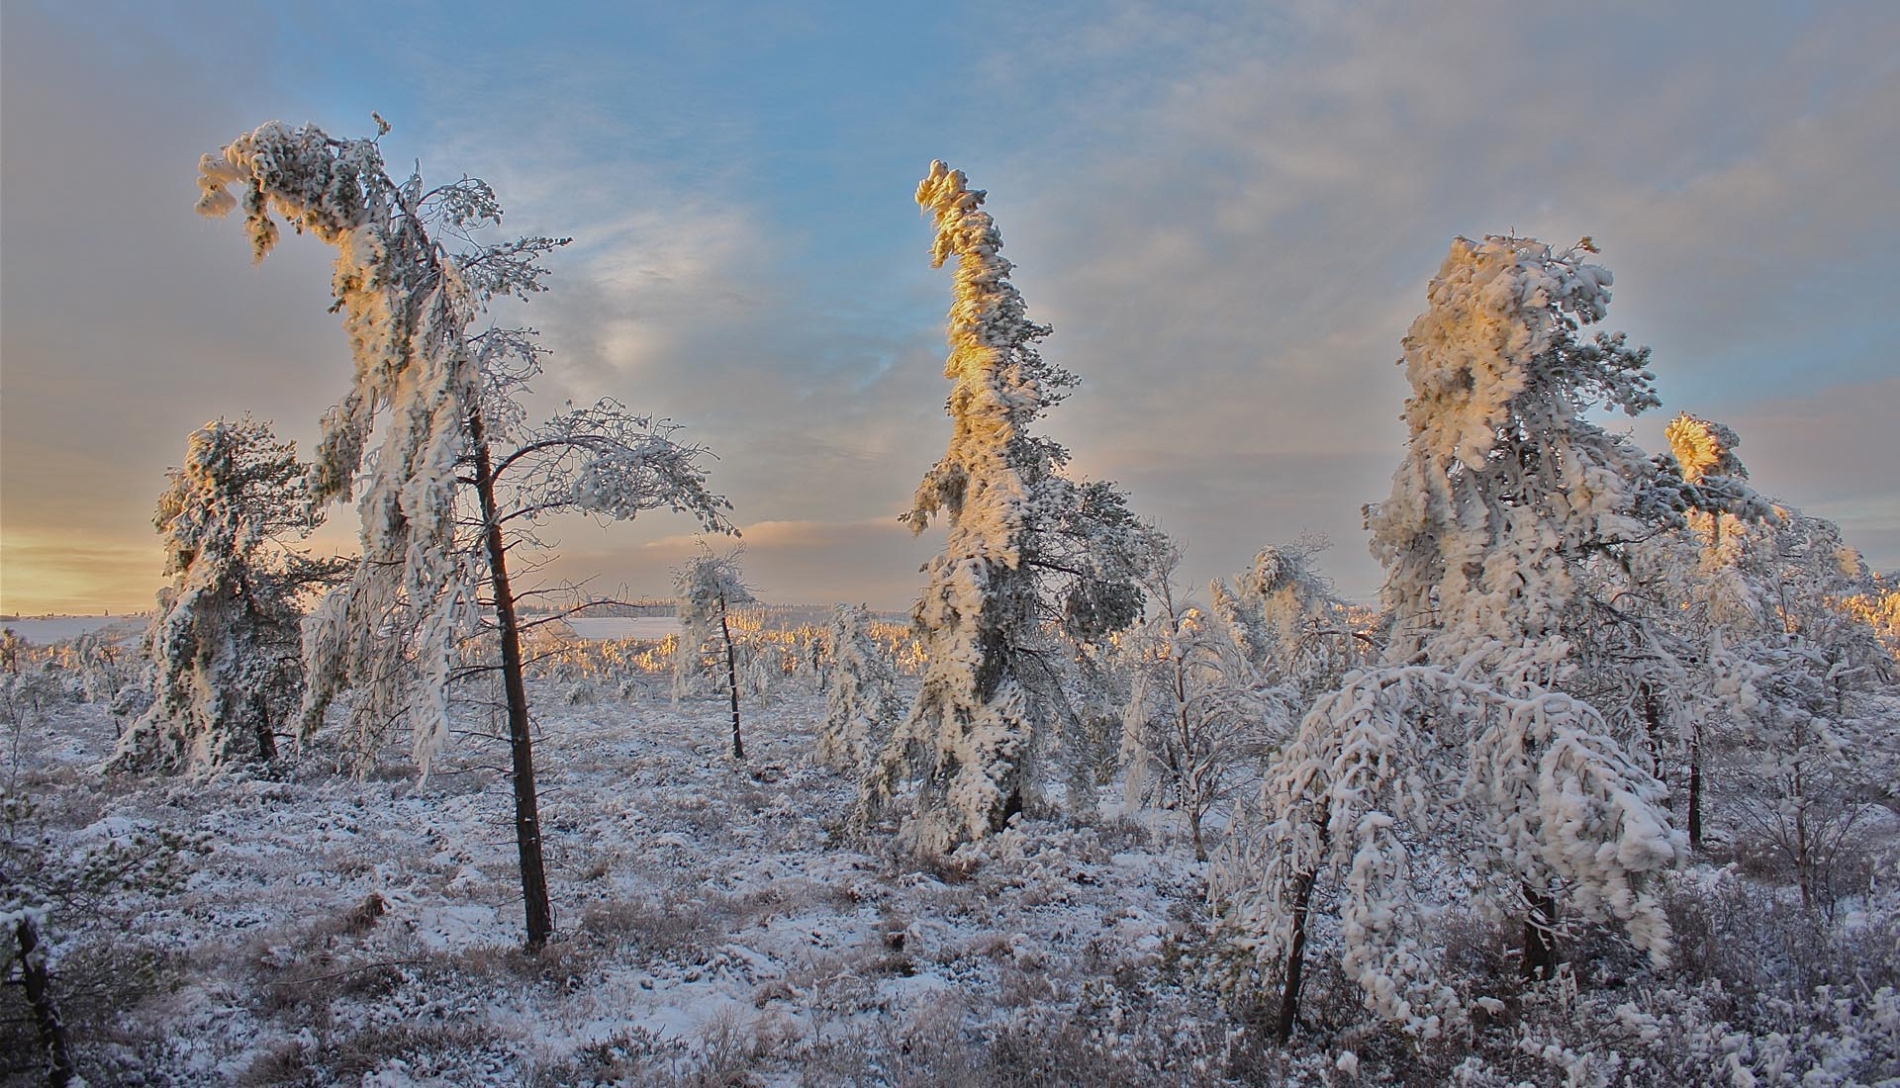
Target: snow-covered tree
point(1465, 739)
point(407, 306)
point(861, 706)
point(706, 587)
point(1507, 486)
point(1520, 784)
point(1287, 621)
point(1784, 678)
point(225, 642)
point(447, 401)
point(1025, 544)
point(1197, 725)
point(1811, 745)
point(1700, 591)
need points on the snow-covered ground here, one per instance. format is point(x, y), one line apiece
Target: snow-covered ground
point(717, 924)
point(710, 917)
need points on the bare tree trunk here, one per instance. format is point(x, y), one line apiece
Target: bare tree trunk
point(1652, 719)
point(732, 681)
point(53, 1038)
point(1540, 935)
point(1295, 958)
point(534, 876)
point(266, 737)
point(1695, 790)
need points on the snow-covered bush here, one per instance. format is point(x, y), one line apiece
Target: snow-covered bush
point(1197, 725)
point(1406, 763)
point(57, 885)
point(861, 706)
point(1288, 623)
point(225, 641)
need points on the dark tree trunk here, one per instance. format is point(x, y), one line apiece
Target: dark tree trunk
point(534, 876)
point(1652, 719)
point(39, 995)
point(1540, 935)
point(1295, 959)
point(732, 681)
point(266, 737)
point(1695, 791)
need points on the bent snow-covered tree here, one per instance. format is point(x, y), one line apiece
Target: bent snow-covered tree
point(707, 586)
point(393, 630)
point(1024, 544)
point(225, 641)
point(407, 307)
point(1465, 740)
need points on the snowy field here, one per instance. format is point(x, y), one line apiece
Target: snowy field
point(716, 925)
point(710, 920)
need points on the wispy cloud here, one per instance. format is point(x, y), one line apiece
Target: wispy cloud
point(1228, 210)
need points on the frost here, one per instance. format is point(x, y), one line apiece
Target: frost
point(992, 697)
point(224, 641)
point(861, 707)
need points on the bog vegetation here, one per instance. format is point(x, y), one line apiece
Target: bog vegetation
point(1602, 790)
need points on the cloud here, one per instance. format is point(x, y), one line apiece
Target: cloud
point(1232, 256)
point(1228, 210)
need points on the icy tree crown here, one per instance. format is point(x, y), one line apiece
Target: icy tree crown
point(1704, 448)
point(1506, 484)
point(407, 307)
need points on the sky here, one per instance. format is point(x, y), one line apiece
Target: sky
point(1228, 211)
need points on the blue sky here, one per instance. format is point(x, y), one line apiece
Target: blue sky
point(1228, 211)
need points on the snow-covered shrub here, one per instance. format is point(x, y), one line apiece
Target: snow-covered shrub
point(1197, 726)
point(1289, 625)
point(1407, 763)
point(64, 895)
point(861, 705)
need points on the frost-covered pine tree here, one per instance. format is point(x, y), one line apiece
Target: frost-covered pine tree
point(1024, 543)
point(861, 707)
point(446, 399)
point(1464, 741)
point(407, 306)
point(224, 642)
point(705, 588)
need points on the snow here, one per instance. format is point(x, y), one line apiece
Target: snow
point(692, 897)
